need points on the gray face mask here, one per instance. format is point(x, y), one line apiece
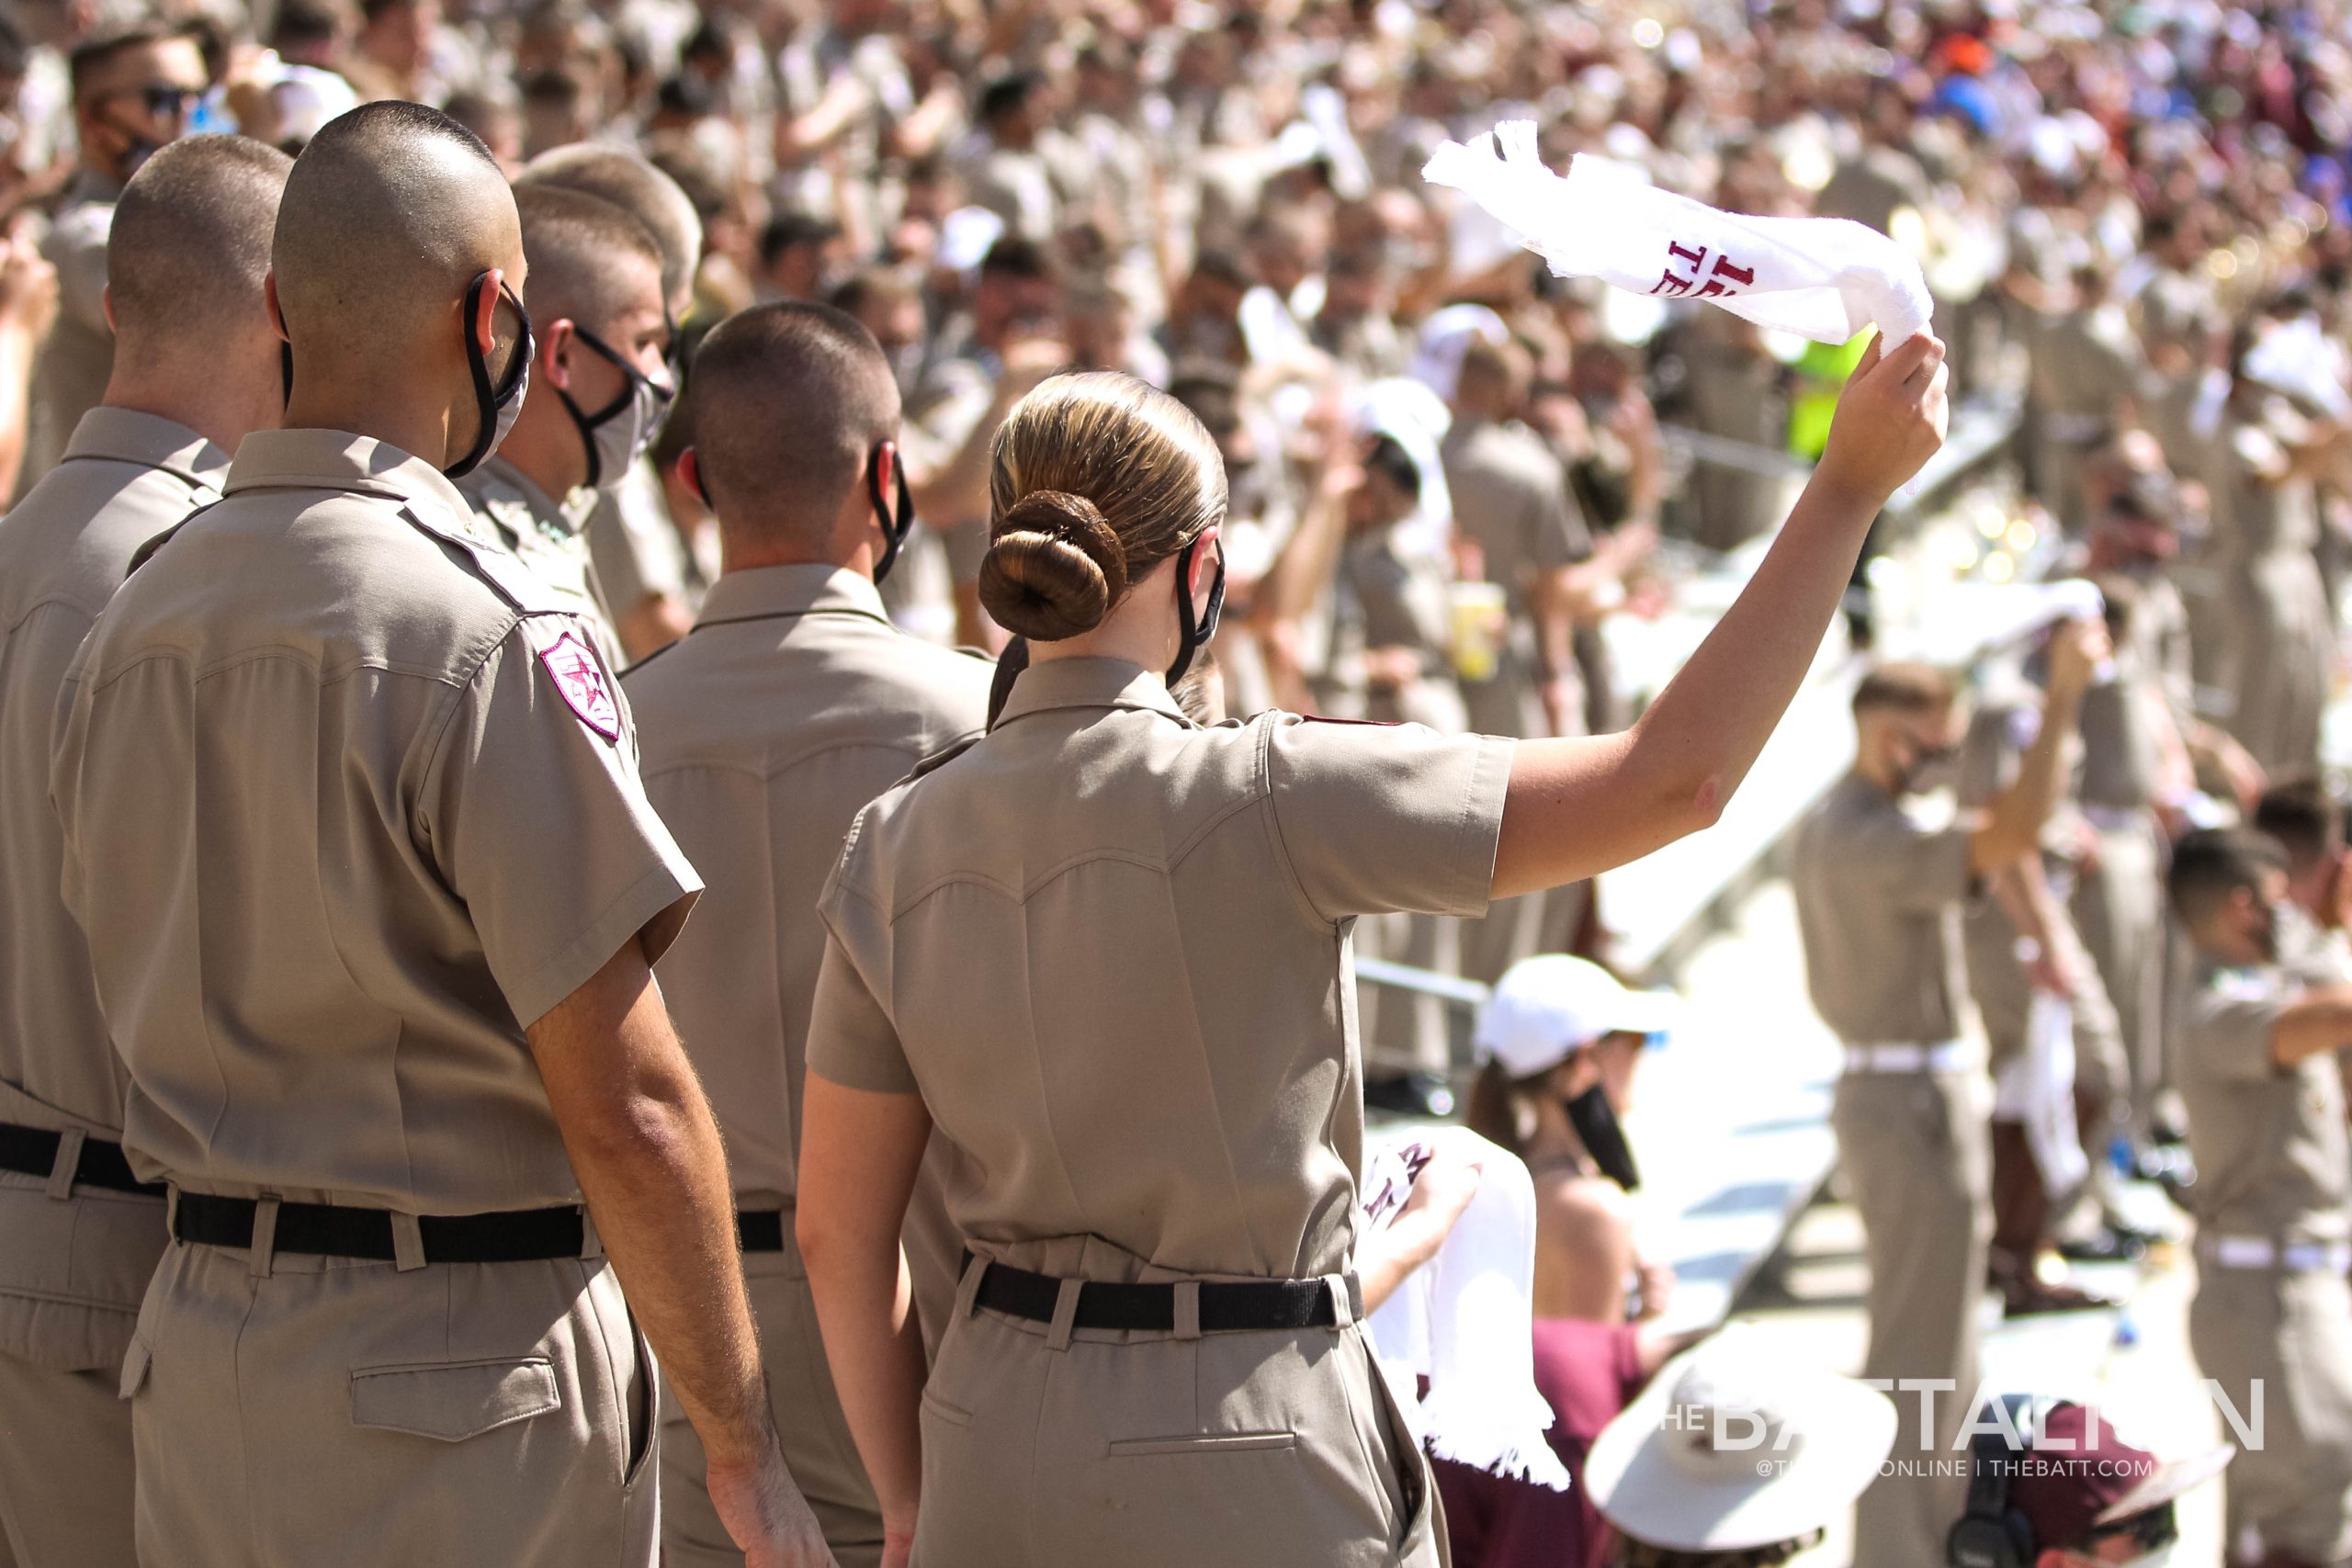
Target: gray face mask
point(617, 434)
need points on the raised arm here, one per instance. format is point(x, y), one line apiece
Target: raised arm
point(2315, 1024)
point(2012, 826)
point(1578, 807)
point(646, 1150)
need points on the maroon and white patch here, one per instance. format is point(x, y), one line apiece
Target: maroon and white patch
point(581, 679)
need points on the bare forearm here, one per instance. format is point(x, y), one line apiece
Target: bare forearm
point(2023, 809)
point(864, 1310)
point(647, 1154)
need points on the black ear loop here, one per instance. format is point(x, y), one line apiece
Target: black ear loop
point(488, 399)
point(1194, 632)
point(897, 524)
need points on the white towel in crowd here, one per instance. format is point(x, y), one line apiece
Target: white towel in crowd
point(1825, 278)
point(1465, 1320)
point(2036, 1088)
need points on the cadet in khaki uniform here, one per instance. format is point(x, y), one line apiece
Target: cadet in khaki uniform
point(1878, 894)
point(1105, 952)
point(2267, 1010)
point(133, 88)
point(1511, 501)
point(2020, 941)
point(637, 559)
point(792, 703)
point(599, 390)
point(194, 354)
point(353, 825)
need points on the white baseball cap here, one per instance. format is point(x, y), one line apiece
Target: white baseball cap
point(1547, 1007)
point(1730, 1447)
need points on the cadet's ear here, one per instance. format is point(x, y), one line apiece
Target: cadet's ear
point(690, 475)
point(268, 302)
point(106, 305)
point(555, 351)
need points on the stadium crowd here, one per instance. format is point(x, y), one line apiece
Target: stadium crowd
point(757, 231)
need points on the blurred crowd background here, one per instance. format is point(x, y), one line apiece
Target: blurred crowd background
point(1452, 474)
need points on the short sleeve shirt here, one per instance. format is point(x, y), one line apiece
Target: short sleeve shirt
point(1510, 497)
point(348, 804)
point(125, 479)
point(2269, 1141)
point(1878, 892)
point(1110, 951)
point(792, 703)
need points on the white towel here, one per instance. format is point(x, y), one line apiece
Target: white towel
point(1465, 1320)
point(2037, 1088)
point(1825, 278)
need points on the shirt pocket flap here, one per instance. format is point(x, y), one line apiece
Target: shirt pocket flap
point(452, 1401)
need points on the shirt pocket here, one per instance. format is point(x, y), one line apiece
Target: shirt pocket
point(451, 1400)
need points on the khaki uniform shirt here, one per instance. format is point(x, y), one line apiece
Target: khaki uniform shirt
point(1510, 497)
point(1110, 950)
point(635, 551)
point(2271, 1153)
point(1387, 595)
point(348, 802)
point(71, 1274)
point(1876, 893)
point(70, 375)
point(550, 539)
point(792, 705)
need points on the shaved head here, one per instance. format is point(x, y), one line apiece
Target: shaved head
point(391, 213)
point(637, 188)
point(590, 260)
point(190, 244)
point(788, 400)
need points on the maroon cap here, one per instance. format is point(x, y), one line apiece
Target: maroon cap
point(2066, 1490)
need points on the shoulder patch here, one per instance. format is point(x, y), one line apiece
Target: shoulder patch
point(579, 676)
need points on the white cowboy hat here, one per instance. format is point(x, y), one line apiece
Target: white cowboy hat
point(1728, 1449)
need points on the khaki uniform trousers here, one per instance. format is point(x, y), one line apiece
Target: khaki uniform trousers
point(73, 1268)
point(1244, 1451)
point(1913, 1147)
point(2119, 907)
point(818, 1447)
point(64, 1469)
point(2289, 1334)
point(299, 1410)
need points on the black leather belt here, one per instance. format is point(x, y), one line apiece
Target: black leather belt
point(513, 1237)
point(759, 1230)
point(33, 1151)
point(1226, 1306)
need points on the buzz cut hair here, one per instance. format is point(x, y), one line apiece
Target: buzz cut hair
point(630, 183)
point(90, 56)
point(190, 241)
point(2210, 865)
point(1903, 688)
point(2303, 819)
point(576, 245)
point(788, 400)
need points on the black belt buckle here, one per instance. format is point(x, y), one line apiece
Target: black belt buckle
point(32, 1151)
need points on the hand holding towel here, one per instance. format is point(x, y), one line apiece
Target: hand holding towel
point(1825, 279)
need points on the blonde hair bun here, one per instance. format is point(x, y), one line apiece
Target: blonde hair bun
point(1054, 568)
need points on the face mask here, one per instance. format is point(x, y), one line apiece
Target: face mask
point(1194, 633)
point(896, 523)
point(1594, 1121)
point(1930, 768)
point(496, 403)
point(617, 436)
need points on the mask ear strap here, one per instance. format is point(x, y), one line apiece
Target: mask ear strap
point(895, 525)
point(485, 394)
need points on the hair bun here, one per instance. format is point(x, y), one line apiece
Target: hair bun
point(1054, 568)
